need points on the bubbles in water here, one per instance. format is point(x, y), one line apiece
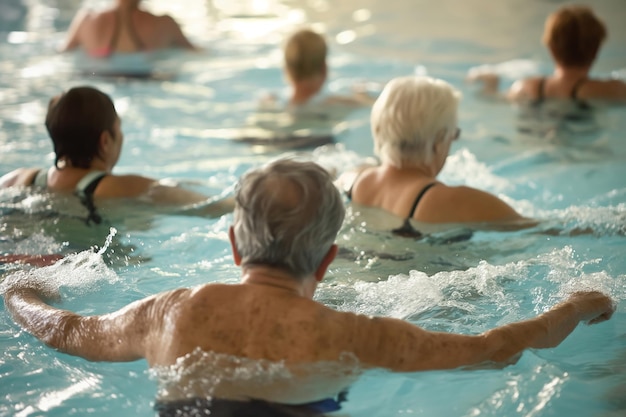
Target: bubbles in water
point(81, 270)
point(463, 167)
point(202, 374)
point(479, 297)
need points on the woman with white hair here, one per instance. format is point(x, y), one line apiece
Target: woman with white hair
point(414, 122)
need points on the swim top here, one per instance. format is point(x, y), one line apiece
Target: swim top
point(406, 230)
point(84, 190)
point(573, 95)
point(253, 408)
point(107, 51)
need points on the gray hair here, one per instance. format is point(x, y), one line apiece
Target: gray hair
point(287, 214)
point(410, 116)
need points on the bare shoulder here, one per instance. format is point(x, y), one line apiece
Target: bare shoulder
point(166, 21)
point(446, 204)
point(348, 180)
point(525, 89)
point(124, 186)
point(612, 89)
point(18, 177)
point(153, 308)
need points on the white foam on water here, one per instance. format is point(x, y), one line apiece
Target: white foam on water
point(82, 271)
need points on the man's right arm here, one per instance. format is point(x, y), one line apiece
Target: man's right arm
point(131, 333)
point(400, 346)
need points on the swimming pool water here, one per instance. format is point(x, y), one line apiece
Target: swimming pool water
point(181, 129)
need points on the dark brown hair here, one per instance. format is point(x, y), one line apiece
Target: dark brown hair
point(75, 121)
point(574, 35)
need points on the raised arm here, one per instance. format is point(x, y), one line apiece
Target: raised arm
point(116, 337)
point(125, 335)
point(401, 346)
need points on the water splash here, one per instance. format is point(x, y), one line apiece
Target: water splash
point(79, 271)
point(202, 374)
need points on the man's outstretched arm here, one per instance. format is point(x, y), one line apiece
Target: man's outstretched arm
point(400, 346)
point(121, 336)
point(550, 328)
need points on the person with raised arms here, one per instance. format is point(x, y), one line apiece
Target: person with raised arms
point(286, 220)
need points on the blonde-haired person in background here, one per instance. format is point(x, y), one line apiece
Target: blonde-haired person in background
point(573, 34)
point(305, 69)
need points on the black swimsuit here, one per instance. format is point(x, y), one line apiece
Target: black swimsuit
point(197, 407)
point(406, 230)
point(541, 97)
point(84, 190)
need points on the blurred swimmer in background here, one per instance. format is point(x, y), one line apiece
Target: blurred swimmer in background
point(125, 28)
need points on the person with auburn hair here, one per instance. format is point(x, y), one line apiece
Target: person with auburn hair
point(285, 223)
point(124, 28)
point(573, 34)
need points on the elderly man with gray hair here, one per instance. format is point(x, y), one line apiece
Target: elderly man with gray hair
point(287, 217)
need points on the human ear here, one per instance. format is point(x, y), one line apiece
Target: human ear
point(233, 246)
point(328, 258)
point(105, 141)
point(440, 143)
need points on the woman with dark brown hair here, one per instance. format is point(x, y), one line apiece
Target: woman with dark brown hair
point(87, 137)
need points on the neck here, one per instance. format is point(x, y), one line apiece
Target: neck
point(421, 171)
point(127, 4)
point(271, 277)
point(303, 91)
point(96, 165)
point(571, 73)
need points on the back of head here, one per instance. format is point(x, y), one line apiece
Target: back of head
point(410, 116)
point(305, 55)
point(574, 36)
point(75, 121)
point(287, 215)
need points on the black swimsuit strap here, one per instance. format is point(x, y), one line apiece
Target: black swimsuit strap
point(356, 177)
point(576, 87)
point(419, 197)
point(541, 90)
point(407, 229)
point(86, 197)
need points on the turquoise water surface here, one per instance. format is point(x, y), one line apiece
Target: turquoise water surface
point(569, 175)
